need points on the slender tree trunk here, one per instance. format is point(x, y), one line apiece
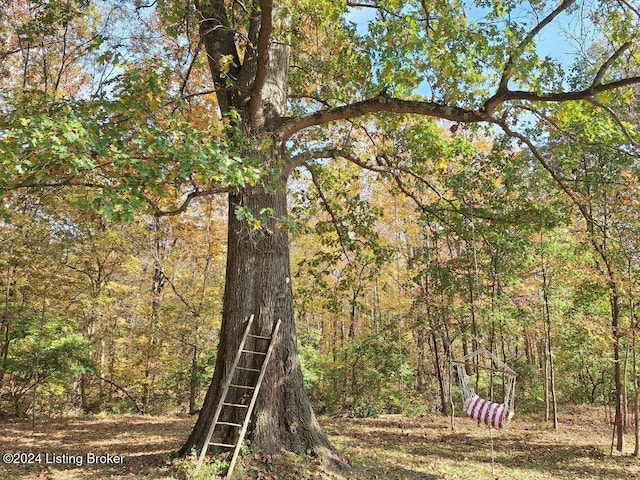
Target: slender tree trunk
point(101, 384)
point(495, 288)
point(617, 373)
point(465, 352)
point(550, 385)
point(625, 394)
point(334, 343)
point(636, 390)
point(529, 349)
point(438, 365)
point(547, 402)
point(471, 366)
point(634, 358)
point(353, 312)
point(193, 378)
point(5, 323)
point(541, 349)
point(552, 374)
point(258, 282)
point(375, 310)
point(84, 379)
point(112, 357)
point(36, 372)
point(421, 368)
point(157, 286)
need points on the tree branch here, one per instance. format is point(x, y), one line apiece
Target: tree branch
point(364, 5)
point(572, 194)
point(394, 171)
point(190, 67)
point(606, 65)
point(72, 181)
point(595, 88)
point(575, 138)
point(262, 66)
point(383, 103)
point(509, 66)
point(380, 103)
point(582, 202)
point(158, 212)
point(329, 210)
point(193, 310)
point(614, 116)
point(218, 39)
point(635, 10)
point(118, 387)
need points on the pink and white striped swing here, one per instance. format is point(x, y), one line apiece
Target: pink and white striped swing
point(492, 414)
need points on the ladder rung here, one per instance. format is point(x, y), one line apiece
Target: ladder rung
point(248, 369)
point(254, 352)
point(229, 423)
point(239, 405)
point(225, 445)
point(260, 336)
point(248, 387)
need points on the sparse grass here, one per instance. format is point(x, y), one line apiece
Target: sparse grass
point(528, 450)
point(145, 442)
point(379, 448)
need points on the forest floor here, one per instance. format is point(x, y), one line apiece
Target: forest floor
point(386, 448)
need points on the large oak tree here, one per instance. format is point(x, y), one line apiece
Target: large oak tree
point(297, 78)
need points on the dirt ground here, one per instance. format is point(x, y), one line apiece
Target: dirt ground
point(144, 442)
point(386, 448)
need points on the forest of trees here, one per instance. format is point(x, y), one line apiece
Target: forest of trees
point(478, 198)
point(122, 316)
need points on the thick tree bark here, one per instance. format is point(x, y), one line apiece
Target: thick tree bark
point(258, 279)
point(258, 282)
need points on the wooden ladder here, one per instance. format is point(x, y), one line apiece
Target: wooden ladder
point(223, 403)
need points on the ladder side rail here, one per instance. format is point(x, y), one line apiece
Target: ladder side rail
point(247, 419)
point(225, 389)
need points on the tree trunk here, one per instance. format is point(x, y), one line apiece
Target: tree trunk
point(444, 404)
point(615, 323)
point(636, 389)
point(258, 278)
point(633, 321)
point(158, 282)
point(625, 393)
point(421, 367)
point(193, 378)
point(5, 323)
point(552, 373)
point(550, 380)
point(546, 385)
point(258, 282)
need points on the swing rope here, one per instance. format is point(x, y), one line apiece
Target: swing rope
point(493, 454)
